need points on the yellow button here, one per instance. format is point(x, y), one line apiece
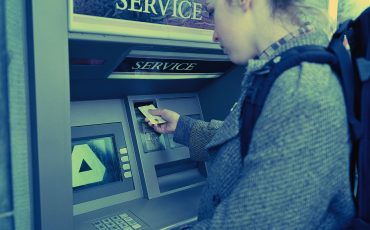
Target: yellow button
point(126, 166)
point(127, 174)
point(124, 158)
point(123, 151)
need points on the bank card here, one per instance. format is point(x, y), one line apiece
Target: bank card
point(153, 119)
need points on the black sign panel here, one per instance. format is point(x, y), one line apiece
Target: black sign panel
point(176, 66)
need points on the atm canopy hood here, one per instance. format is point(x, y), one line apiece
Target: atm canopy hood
point(110, 69)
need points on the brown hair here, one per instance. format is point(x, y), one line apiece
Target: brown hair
point(300, 12)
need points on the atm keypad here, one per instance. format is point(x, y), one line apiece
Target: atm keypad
point(122, 221)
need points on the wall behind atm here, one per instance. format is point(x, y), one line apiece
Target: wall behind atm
point(6, 217)
point(15, 207)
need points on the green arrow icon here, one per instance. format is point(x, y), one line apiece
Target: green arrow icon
point(86, 166)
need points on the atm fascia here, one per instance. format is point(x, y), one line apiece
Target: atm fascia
point(164, 179)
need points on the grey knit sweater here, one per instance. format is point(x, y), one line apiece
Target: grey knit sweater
point(296, 173)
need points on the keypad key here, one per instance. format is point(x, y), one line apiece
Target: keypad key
point(107, 221)
point(136, 226)
point(123, 224)
point(101, 227)
point(123, 215)
point(127, 218)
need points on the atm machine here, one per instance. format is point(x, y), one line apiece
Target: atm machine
point(124, 174)
point(123, 55)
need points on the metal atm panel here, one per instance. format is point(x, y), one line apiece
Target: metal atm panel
point(99, 120)
point(171, 173)
point(168, 168)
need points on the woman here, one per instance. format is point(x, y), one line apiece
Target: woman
point(296, 173)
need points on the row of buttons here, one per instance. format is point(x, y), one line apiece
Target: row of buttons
point(126, 163)
point(122, 221)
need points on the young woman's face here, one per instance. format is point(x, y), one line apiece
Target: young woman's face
point(233, 28)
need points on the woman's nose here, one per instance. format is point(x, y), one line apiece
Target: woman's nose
point(215, 37)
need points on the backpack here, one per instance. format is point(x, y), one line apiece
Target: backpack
point(352, 66)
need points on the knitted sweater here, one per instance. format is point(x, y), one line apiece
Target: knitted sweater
point(296, 173)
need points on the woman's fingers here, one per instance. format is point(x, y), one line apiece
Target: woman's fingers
point(158, 129)
point(156, 112)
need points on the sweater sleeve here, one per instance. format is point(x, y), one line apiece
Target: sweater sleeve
point(298, 161)
point(196, 134)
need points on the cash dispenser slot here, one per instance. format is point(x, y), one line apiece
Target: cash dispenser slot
point(179, 174)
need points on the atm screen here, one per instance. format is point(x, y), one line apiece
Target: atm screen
point(101, 163)
point(94, 162)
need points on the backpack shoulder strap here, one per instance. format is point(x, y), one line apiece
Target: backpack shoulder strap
point(360, 50)
point(264, 79)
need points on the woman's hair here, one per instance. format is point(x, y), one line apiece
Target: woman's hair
point(282, 5)
point(351, 9)
point(300, 12)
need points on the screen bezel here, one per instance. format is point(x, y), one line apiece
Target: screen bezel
point(115, 130)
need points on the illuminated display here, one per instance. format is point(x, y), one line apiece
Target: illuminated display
point(94, 162)
point(161, 7)
point(168, 19)
point(187, 13)
point(101, 162)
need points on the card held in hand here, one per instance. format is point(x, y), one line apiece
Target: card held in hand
point(153, 119)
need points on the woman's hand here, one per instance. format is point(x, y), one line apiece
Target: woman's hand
point(168, 115)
